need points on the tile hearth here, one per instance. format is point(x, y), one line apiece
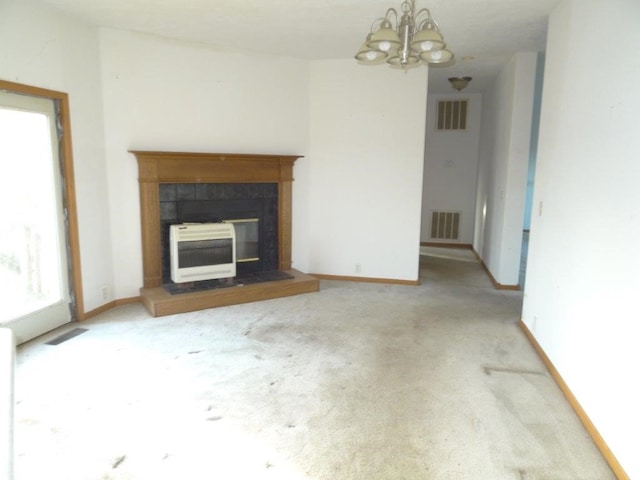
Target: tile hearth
point(238, 281)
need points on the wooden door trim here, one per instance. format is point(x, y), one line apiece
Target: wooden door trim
point(69, 193)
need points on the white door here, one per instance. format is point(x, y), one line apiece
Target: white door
point(34, 285)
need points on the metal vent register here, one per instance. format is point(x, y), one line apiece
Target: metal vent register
point(452, 115)
point(445, 225)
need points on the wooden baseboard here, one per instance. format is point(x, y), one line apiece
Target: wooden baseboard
point(496, 284)
point(97, 311)
point(127, 301)
point(466, 246)
point(107, 306)
point(346, 278)
point(582, 415)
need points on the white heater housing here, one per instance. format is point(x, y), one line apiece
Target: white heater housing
point(202, 251)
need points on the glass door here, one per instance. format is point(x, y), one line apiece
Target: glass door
point(34, 283)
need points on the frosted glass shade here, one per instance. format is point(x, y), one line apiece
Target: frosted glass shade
point(385, 39)
point(427, 40)
point(459, 83)
point(370, 56)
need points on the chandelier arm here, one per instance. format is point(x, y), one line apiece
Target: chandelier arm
point(423, 10)
point(395, 14)
point(421, 22)
point(376, 23)
point(435, 24)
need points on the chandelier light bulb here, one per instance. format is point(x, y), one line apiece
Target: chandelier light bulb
point(371, 55)
point(385, 46)
point(437, 56)
point(426, 46)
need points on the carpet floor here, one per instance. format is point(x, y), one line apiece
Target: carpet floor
point(357, 381)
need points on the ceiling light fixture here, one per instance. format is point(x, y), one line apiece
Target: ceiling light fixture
point(413, 40)
point(459, 83)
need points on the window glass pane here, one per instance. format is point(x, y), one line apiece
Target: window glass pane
point(29, 261)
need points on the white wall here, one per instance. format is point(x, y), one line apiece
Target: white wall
point(366, 161)
point(502, 167)
point(41, 48)
point(174, 96)
point(451, 167)
point(166, 95)
point(582, 281)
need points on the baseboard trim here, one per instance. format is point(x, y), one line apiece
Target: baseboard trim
point(97, 311)
point(346, 278)
point(108, 306)
point(582, 415)
point(127, 301)
point(466, 246)
point(496, 284)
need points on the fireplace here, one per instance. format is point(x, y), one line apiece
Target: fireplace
point(251, 207)
point(181, 187)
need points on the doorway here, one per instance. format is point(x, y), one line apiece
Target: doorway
point(34, 265)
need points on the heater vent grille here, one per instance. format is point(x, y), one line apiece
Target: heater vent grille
point(452, 115)
point(445, 225)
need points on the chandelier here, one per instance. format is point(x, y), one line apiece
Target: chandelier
point(412, 40)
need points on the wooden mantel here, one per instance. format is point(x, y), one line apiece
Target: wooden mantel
point(155, 168)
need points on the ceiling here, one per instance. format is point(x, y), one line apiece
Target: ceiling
point(483, 34)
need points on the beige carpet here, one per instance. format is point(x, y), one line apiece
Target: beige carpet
point(358, 381)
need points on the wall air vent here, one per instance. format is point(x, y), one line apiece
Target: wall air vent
point(445, 225)
point(452, 115)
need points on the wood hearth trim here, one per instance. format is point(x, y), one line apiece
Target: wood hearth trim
point(159, 302)
point(155, 168)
